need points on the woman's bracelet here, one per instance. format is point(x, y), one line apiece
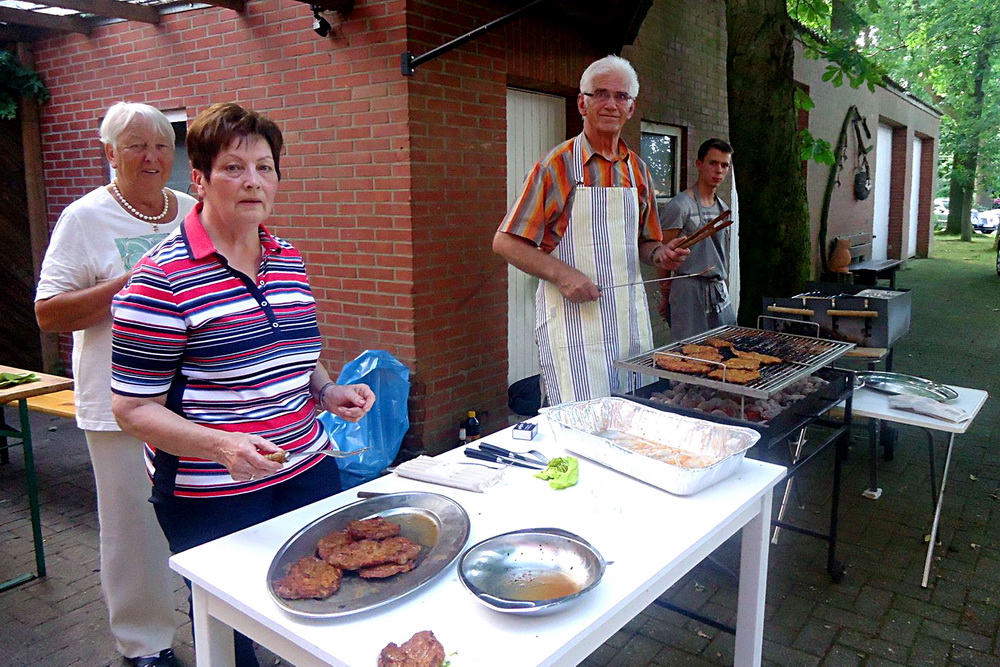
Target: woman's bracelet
point(322, 390)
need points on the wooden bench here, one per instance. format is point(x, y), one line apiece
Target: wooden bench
point(59, 403)
point(868, 271)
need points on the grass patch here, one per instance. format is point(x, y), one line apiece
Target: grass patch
point(982, 249)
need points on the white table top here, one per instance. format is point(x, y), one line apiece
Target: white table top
point(875, 404)
point(649, 537)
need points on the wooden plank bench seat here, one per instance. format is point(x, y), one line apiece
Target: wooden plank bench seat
point(59, 403)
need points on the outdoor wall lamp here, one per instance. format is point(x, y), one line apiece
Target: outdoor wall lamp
point(328, 16)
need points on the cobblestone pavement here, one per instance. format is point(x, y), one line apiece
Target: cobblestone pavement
point(877, 616)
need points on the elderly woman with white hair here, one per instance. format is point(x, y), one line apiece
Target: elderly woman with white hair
point(96, 242)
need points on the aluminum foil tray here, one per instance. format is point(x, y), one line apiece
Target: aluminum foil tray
point(683, 455)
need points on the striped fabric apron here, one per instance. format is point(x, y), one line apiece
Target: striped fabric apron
point(579, 342)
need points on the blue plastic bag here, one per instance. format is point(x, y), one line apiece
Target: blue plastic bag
point(382, 429)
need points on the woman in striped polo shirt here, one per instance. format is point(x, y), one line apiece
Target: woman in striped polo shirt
point(215, 351)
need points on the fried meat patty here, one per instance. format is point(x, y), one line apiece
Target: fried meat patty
point(759, 356)
point(421, 650)
point(384, 571)
point(370, 553)
point(719, 343)
point(309, 578)
point(706, 352)
point(742, 363)
point(679, 365)
point(375, 528)
point(333, 541)
point(734, 375)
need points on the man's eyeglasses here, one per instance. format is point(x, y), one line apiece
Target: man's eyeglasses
point(602, 95)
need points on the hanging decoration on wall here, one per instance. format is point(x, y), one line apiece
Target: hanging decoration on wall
point(862, 170)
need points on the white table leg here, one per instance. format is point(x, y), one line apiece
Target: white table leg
point(213, 639)
point(753, 587)
point(937, 513)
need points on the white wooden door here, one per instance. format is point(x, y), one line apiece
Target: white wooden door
point(535, 124)
point(911, 235)
point(883, 175)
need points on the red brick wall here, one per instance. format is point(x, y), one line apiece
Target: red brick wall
point(393, 186)
point(925, 201)
point(680, 56)
point(341, 103)
point(898, 191)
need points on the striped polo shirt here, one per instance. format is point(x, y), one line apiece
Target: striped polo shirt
point(228, 353)
point(541, 212)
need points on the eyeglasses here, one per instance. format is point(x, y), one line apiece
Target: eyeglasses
point(602, 95)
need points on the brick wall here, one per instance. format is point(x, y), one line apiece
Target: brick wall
point(925, 203)
point(393, 186)
point(345, 198)
point(898, 191)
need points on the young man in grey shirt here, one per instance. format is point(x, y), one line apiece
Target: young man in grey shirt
point(700, 303)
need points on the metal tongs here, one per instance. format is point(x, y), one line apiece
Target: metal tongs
point(658, 280)
point(713, 226)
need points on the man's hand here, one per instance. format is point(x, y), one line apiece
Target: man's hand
point(577, 287)
point(668, 257)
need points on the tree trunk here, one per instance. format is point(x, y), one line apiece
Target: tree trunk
point(774, 211)
point(963, 173)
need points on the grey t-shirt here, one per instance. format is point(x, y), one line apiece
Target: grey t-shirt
point(684, 213)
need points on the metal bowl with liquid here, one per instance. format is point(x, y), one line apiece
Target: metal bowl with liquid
point(531, 571)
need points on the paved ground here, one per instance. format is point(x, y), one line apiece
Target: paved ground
point(878, 616)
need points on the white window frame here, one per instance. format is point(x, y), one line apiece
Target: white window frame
point(670, 131)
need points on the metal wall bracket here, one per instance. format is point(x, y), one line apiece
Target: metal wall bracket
point(410, 62)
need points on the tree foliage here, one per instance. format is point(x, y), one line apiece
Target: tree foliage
point(17, 81)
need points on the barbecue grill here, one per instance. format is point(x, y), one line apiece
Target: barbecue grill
point(801, 356)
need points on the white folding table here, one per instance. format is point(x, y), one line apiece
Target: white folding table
point(649, 537)
point(875, 405)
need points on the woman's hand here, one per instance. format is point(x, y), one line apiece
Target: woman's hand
point(243, 455)
point(350, 402)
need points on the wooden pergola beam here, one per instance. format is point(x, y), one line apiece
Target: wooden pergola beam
point(44, 21)
point(109, 9)
point(238, 6)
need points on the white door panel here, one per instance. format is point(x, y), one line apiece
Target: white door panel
point(535, 124)
point(883, 175)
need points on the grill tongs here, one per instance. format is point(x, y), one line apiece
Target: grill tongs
point(713, 226)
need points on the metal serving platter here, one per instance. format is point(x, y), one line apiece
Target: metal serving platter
point(434, 521)
point(897, 383)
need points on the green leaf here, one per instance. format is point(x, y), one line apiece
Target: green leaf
point(562, 472)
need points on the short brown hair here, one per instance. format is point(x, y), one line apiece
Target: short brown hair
point(219, 125)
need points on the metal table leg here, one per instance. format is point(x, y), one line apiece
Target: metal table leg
point(937, 513)
point(32, 486)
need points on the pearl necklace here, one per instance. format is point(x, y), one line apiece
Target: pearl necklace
point(131, 209)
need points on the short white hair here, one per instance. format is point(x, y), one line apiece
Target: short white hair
point(609, 65)
point(121, 115)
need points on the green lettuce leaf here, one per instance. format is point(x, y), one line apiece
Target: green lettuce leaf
point(562, 472)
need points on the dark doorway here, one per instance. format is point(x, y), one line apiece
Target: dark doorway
point(20, 344)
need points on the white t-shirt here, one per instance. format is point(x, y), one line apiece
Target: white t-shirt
point(96, 240)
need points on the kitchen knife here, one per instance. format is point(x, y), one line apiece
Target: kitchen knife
point(500, 451)
point(486, 456)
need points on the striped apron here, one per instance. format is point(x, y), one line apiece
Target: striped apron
point(579, 342)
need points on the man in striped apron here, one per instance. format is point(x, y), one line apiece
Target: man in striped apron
point(585, 219)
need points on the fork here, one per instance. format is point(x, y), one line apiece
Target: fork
point(284, 457)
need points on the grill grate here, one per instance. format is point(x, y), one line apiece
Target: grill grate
point(800, 355)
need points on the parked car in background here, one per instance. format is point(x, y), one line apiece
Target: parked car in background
point(987, 222)
point(941, 206)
